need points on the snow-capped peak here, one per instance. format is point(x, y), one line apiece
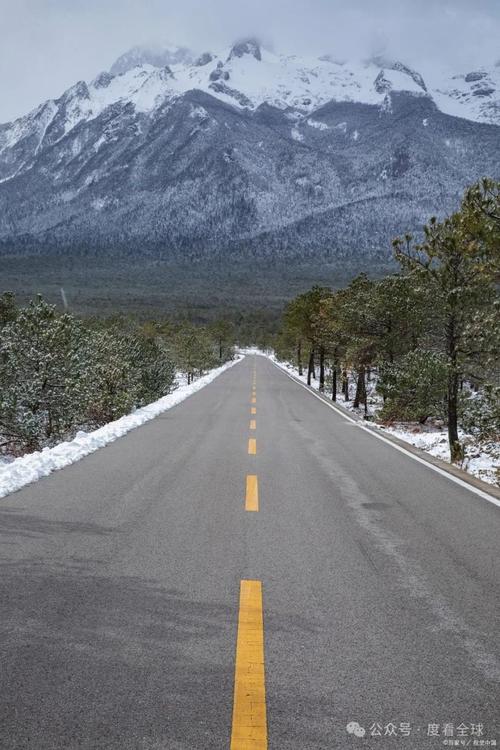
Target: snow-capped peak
point(158, 56)
point(248, 75)
point(396, 65)
point(245, 47)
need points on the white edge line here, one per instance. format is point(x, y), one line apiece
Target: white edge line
point(399, 448)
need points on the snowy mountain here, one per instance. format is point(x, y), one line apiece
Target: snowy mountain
point(245, 151)
point(157, 56)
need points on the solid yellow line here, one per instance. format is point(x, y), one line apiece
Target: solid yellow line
point(253, 410)
point(252, 446)
point(252, 494)
point(249, 730)
point(253, 424)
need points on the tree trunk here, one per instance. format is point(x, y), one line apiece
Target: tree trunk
point(334, 383)
point(360, 396)
point(321, 368)
point(310, 368)
point(345, 384)
point(299, 357)
point(456, 449)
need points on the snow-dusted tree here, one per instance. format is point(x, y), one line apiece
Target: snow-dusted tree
point(300, 316)
point(458, 262)
point(194, 350)
point(42, 375)
point(8, 308)
point(481, 414)
point(114, 387)
point(151, 361)
point(414, 387)
point(359, 326)
point(223, 332)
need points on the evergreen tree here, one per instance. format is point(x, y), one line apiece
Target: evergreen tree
point(458, 262)
point(414, 387)
point(8, 308)
point(300, 317)
point(42, 368)
point(222, 331)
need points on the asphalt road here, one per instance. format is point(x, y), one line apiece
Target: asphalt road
point(120, 587)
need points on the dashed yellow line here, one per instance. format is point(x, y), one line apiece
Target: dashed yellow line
point(249, 729)
point(253, 424)
point(253, 410)
point(252, 446)
point(252, 494)
point(254, 400)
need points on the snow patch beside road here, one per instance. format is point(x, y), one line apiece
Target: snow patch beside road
point(34, 466)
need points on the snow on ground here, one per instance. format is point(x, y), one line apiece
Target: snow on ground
point(482, 461)
point(31, 467)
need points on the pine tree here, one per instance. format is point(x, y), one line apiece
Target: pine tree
point(458, 262)
point(8, 308)
point(41, 372)
point(414, 387)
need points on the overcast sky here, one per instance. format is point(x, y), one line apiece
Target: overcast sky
point(47, 45)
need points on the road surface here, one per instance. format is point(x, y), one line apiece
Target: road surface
point(247, 571)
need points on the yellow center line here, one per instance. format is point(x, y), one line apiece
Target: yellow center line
point(249, 730)
point(253, 410)
point(252, 446)
point(253, 424)
point(252, 494)
point(254, 400)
